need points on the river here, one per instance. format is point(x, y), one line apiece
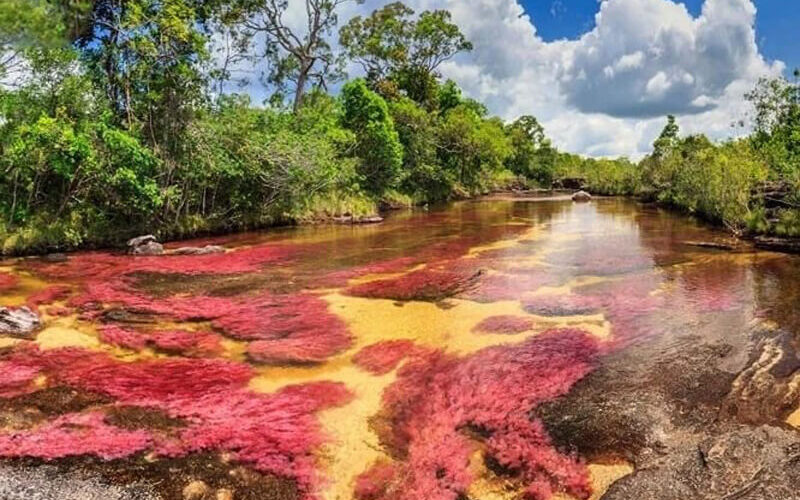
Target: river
point(495, 349)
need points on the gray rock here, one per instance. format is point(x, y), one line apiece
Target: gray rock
point(145, 245)
point(19, 322)
point(55, 257)
point(150, 248)
point(367, 219)
point(581, 196)
point(206, 250)
point(49, 483)
point(141, 240)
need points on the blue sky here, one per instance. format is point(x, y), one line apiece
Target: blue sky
point(777, 23)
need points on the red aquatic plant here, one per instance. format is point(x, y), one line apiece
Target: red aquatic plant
point(441, 407)
point(75, 434)
point(48, 295)
point(374, 483)
point(383, 357)
point(275, 433)
point(185, 342)
point(17, 378)
point(122, 337)
point(422, 285)
point(508, 325)
point(7, 281)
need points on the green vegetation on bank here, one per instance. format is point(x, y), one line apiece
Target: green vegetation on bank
point(119, 117)
point(749, 185)
point(114, 121)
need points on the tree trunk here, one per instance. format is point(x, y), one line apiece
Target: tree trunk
point(302, 78)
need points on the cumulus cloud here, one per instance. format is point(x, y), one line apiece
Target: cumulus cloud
point(646, 58)
point(606, 93)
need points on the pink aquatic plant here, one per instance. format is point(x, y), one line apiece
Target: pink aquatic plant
point(7, 281)
point(422, 285)
point(17, 378)
point(507, 325)
point(442, 408)
point(48, 295)
point(75, 434)
point(275, 433)
point(383, 357)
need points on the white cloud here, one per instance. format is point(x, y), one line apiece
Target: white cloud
point(607, 92)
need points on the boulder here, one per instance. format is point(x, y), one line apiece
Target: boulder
point(152, 248)
point(581, 196)
point(145, 245)
point(141, 240)
point(206, 250)
point(19, 322)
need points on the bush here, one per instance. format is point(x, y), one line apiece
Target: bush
point(377, 144)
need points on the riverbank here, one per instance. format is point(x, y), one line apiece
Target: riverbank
point(362, 211)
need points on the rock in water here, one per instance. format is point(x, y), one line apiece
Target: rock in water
point(581, 196)
point(206, 250)
point(19, 322)
point(145, 245)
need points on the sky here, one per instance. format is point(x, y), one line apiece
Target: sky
point(602, 75)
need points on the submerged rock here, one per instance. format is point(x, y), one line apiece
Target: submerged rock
point(777, 244)
point(206, 250)
point(366, 219)
point(581, 196)
point(19, 322)
point(145, 245)
point(55, 257)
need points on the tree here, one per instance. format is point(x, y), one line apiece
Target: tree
point(26, 24)
point(377, 143)
point(390, 44)
point(149, 56)
point(668, 138)
point(533, 156)
point(776, 103)
point(297, 58)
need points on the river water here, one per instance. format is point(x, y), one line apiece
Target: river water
point(495, 349)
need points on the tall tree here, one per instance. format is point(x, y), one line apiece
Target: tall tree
point(391, 44)
point(298, 59)
point(149, 56)
point(667, 140)
point(26, 24)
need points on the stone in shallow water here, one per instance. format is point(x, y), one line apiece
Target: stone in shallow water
point(206, 250)
point(581, 196)
point(18, 322)
point(145, 245)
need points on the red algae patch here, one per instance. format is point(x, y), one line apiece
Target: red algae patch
point(506, 325)
point(7, 281)
point(97, 266)
point(169, 341)
point(442, 409)
point(383, 357)
point(425, 285)
point(48, 296)
point(274, 433)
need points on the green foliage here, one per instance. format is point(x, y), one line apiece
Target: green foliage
point(391, 45)
point(471, 148)
point(377, 144)
point(533, 156)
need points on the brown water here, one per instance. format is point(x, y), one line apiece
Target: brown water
point(512, 346)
